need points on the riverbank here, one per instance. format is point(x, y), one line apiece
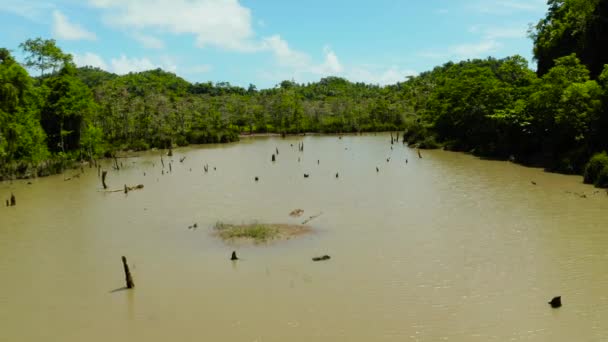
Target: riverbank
point(415, 138)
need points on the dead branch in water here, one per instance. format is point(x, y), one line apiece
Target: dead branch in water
point(312, 218)
point(126, 188)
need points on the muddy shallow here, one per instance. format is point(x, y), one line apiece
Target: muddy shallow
point(447, 247)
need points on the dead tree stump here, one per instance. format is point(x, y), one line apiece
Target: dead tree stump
point(128, 278)
point(103, 179)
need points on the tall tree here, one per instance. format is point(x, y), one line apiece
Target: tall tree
point(43, 54)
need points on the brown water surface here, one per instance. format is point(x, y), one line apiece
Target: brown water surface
point(448, 247)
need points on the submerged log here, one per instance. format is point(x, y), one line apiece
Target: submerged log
point(234, 257)
point(103, 179)
point(321, 258)
point(128, 278)
point(556, 302)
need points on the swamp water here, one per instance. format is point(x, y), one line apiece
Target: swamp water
point(447, 247)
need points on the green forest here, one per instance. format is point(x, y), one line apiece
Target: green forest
point(556, 117)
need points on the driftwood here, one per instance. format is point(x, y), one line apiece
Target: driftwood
point(311, 218)
point(126, 188)
point(321, 258)
point(128, 278)
point(73, 177)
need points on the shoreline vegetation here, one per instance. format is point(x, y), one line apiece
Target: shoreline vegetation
point(497, 108)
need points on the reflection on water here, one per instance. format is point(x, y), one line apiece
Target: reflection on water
point(447, 247)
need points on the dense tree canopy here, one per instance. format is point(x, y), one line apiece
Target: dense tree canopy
point(499, 108)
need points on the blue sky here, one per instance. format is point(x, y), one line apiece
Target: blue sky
point(266, 41)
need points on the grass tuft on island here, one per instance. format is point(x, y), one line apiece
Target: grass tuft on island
point(259, 232)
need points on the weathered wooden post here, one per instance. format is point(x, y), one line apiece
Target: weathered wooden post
point(103, 179)
point(234, 257)
point(13, 200)
point(128, 278)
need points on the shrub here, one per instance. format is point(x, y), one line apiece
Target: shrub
point(596, 165)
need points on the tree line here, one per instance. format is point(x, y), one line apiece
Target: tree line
point(556, 117)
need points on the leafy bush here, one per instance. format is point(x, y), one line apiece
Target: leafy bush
point(596, 167)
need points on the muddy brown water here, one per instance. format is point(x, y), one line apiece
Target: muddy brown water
point(448, 247)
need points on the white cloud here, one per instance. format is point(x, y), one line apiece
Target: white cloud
point(33, 9)
point(331, 65)
point(90, 59)
point(481, 49)
point(508, 6)
point(379, 75)
point(200, 69)
point(64, 29)
point(148, 41)
point(284, 54)
point(474, 50)
point(125, 65)
point(520, 31)
point(220, 23)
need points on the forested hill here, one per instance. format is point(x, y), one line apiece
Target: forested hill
point(556, 117)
